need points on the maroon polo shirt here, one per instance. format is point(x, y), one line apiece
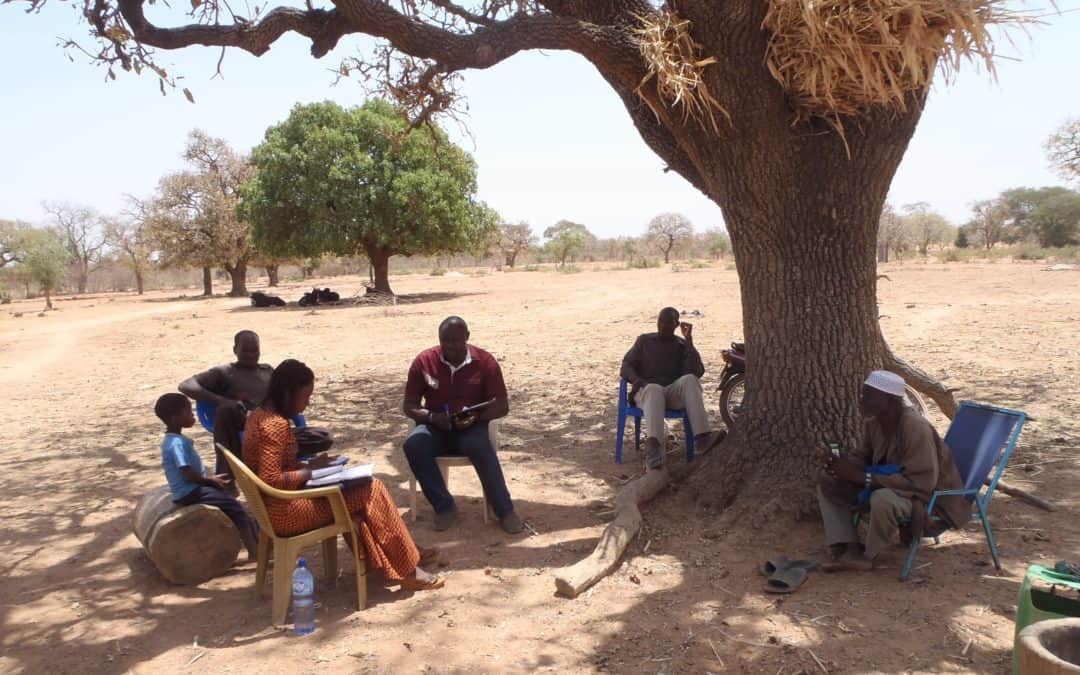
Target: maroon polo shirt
point(431, 383)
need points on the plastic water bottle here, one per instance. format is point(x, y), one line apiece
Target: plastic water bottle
point(303, 599)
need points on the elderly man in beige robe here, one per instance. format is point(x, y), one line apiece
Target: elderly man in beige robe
point(897, 436)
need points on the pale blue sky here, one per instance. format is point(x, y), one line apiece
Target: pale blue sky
point(551, 139)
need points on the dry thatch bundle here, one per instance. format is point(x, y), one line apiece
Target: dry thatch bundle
point(840, 57)
point(674, 60)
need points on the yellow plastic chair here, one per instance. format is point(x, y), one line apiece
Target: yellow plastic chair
point(447, 461)
point(287, 549)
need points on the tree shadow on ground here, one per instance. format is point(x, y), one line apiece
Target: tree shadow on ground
point(363, 301)
point(684, 596)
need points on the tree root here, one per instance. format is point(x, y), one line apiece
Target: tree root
point(571, 581)
point(919, 379)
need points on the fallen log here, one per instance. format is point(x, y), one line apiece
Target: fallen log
point(573, 580)
point(1024, 495)
point(187, 544)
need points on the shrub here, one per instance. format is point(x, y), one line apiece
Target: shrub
point(438, 272)
point(643, 264)
point(569, 269)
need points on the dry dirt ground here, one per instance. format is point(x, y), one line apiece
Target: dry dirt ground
point(78, 445)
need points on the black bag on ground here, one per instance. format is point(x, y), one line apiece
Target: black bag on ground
point(260, 299)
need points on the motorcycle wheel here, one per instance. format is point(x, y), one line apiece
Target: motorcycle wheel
point(915, 399)
point(731, 399)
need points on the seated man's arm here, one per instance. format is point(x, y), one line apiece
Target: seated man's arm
point(692, 364)
point(919, 459)
point(204, 387)
point(415, 386)
point(494, 388)
point(630, 363)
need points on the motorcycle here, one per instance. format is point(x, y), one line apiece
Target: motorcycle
point(732, 386)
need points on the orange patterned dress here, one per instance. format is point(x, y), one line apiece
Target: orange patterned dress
point(270, 450)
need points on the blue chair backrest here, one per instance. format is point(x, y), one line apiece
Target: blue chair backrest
point(980, 436)
point(624, 402)
point(205, 411)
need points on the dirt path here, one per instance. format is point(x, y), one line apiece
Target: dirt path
point(79, 595)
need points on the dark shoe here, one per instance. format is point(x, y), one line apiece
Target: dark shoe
point(445, 520)
point(511, 523)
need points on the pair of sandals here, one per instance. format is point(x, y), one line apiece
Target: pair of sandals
point(783, 575)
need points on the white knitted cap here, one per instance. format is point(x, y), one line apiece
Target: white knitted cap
point(886, 381)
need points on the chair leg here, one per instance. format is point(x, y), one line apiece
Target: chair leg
point(913, 550)
point(263, 563)
point(989, 534)
point(412, 499)
point(361, 572)
point(620, 433)
point(637, 433)
point(689, 431)
point(329, 553)
point(284, 561)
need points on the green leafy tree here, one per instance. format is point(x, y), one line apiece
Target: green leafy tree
point(1046, 214)
point(565, 240)
point(990, 221)
point(356, 181)
point(13, 235)
point(961, 237)
point(46, 261)
point(925, 226)
point(515, 238)
point(717, 243)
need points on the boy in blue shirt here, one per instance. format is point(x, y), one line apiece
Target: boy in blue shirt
point(185, 474)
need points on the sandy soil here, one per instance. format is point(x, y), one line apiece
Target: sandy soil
point(78, 445)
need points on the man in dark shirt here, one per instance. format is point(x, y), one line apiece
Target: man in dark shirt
point(235, 388)
point(663, 372)
point(443, 380)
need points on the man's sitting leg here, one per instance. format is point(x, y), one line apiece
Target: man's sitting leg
point(228, 426)
point(475, 443)
point(835, 500)
point(887, 509)
point(685, 393)
point(423, 445)
point(651, 400)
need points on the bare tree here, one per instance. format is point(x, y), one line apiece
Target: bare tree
point(194, 213)
point(669, 229)
point(130, 235)
point(514, 239)
point(926, 227)
point(893, 237)
point(1063, 150)
point(989, 221)
point(81, 230)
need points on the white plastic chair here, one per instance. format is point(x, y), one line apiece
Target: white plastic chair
point(447, 461)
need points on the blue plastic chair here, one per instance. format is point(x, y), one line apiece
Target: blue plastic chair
point(205, 411)
point(627, 410)
point(982, 439)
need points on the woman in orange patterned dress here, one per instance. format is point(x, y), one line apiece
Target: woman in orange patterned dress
point(270, 450)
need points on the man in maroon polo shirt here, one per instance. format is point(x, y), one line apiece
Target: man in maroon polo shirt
point(443, 381)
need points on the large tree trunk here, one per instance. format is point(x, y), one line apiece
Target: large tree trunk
point(48, 297)
point(82, 278)
point(380, 268)
point(238, 275)
point(801, 204)
point(138, 281)
point(272, 275)
point(511, 259)
point(207, 282)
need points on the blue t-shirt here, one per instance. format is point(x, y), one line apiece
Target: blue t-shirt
point(178, 450)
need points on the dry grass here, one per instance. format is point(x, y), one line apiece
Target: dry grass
point(841, 57)
point(675, 62)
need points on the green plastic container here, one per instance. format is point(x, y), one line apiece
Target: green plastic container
point(1037, 604)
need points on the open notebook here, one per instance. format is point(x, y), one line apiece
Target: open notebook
point(332, 475)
